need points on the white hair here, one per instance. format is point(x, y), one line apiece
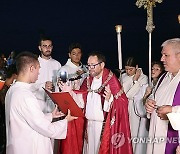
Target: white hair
point(174, 43)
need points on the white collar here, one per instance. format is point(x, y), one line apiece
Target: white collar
point(69, 63)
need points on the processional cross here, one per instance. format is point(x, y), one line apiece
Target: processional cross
point(149, 4)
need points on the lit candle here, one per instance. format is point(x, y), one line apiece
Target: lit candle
point(179, 18)
point(118, 31)
point(118, 28)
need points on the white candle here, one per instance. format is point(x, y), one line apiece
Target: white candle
point(118, 31)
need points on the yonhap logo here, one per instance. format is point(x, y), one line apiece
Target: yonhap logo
point(117, 140)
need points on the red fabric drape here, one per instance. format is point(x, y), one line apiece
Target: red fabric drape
point(116, 135)
point(73, 143)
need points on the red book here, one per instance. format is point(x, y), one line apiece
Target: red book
point(65, 101)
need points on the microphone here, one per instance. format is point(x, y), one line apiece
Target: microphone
point(64, 76)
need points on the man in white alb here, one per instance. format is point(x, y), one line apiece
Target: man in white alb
point(73, 67)
point(165, 94)
point(28, 129)
point(47, 74)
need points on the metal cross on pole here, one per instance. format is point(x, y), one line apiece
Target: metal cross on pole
point(148, 4)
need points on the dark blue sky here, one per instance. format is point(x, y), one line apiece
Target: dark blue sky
point(90, 23)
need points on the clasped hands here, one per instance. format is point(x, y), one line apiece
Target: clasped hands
point(161, 111)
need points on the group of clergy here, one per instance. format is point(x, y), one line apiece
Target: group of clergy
point(116, 109)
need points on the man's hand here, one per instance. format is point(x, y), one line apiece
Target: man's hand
point(178, 150)
point(69, 117)
point(150, 105)
point(75, 84)
point(65, 87)
point(80, 72)
point(163, 110)
point(148, 91)
point(56, 113)
point(48, 85)
point(107, 93)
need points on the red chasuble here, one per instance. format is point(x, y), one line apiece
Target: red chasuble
point(115, 137)
point(73, 143)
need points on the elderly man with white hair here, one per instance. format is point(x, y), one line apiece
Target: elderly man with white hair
point(162, 137)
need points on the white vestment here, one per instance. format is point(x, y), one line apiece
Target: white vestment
point(174, 117)
point(138, 122)
point(158, 128)
point(94, 114)
point(28, 129)
point(48, 71)
point(71, 70)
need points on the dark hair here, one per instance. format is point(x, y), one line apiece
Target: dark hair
point(75, 45)
point(160, 64)
point(44, 38)
point(11, 70)
point(100, 56)
point(116, 72)
point(24, 59)
point(130, 61)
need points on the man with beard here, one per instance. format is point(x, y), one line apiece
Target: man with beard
point(107, 128)
point(47, 74)
point(106, 110)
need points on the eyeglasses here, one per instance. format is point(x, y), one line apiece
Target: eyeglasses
point(47, 46)
point(92, 66)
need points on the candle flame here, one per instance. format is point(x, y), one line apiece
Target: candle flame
point(118, 28)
